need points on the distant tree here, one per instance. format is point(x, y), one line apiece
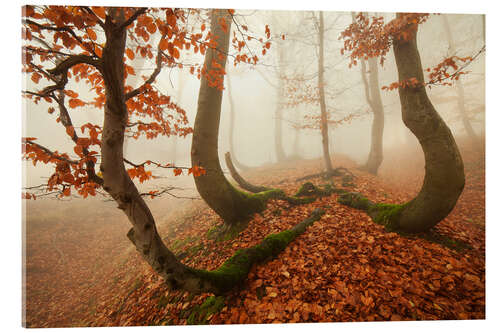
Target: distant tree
point(458, 85)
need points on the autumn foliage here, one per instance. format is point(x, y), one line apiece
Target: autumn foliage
point(369, 37)
point(63, 46)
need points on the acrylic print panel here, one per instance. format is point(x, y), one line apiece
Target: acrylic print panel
point(200, 166)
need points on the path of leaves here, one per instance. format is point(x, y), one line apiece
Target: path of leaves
point(343, 268)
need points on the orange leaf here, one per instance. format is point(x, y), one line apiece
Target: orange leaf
point(130, 54)
point(92, 34)
point(36, 77)
point(67, 191)
point(75, 102)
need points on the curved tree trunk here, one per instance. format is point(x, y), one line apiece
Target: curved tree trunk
point(459, 87)
point(116, 180)
point(232, 115)
point(240, 180)
point(444, 171)
point(231, 205)
point(372, 93)
point(322, 100)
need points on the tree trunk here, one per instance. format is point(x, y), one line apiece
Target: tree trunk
point(116, 180)
point(459, 87)
point(372, 93)
point(231, 205)
point(322, 101)
point(240, 180)
point(278, 113)
point(232, 115)
point(444, 171)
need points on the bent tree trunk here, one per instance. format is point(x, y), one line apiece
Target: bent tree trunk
point(322, 101)
point(122, 189)
point(444, 170)
point(116, 180)
point(372, 93)
point(232, 205)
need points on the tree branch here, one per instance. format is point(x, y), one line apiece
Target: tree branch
point(133, 17)
point(73, 60)
point(151, 78)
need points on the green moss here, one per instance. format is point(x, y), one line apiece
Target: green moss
point(387, 215)
point(200, 313)
point(234, 270)
point(355, 200)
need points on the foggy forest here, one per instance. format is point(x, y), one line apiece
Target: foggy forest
point(187, 166)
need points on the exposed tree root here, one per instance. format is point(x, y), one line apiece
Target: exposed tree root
point(337, 172)
point(235, 270)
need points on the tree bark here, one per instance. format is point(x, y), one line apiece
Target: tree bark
point(240, 180)
point(459, 87)
point(444, 171)
point(322, 100)
point(231, 205)
point(372, 93)
point(116, 180)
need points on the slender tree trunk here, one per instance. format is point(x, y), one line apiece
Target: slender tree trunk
point(231, 205)
point(116, 180)
point(372, 93)
point(459, 87)
point(232, 115)
point(322, 100)
point(444, 171)
point(278, 113)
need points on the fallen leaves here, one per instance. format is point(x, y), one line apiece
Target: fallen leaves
point(343, 268)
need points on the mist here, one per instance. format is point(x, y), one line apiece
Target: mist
point(273, 102)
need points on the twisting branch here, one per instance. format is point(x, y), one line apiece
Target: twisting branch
point(73, 60)
point(51, 153)
point(63, 28)
point(91, 12)
point(159, 165)
point(151, 78)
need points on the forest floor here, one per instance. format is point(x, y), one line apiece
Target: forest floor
point(82, 270)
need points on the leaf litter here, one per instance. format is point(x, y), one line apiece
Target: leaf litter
point(343, 268)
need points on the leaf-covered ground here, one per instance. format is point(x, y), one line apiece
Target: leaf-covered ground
point(82, 271)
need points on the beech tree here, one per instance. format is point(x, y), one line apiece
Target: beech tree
point(374, 100)
point(444, 171)
point(232, 205)
point(65, 45)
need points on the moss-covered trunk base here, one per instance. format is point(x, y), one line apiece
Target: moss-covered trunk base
point(388, 215)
